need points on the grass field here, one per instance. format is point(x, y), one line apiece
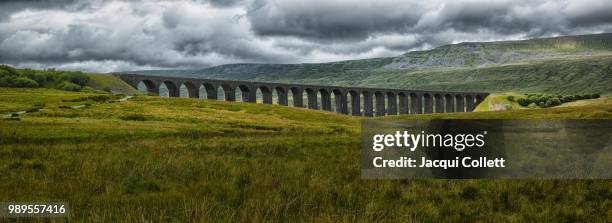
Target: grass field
point(116, 85)
point(187, 160)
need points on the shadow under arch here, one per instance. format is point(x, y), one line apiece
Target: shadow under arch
point(209, 90)
point(190, 89)
point(281, 96)
point(148, 87)
point(355, 101)
point(266, 94)
point(311, 94)
point(171, 88)
point(340, 101)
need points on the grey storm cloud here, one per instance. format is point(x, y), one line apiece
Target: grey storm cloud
point(339, 19)
point(98, 35)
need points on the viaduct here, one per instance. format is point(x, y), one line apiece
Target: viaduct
point(398, 101)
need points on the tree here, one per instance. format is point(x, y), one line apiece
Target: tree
point(568, 98)
point(78, 78)
point(523, 102)
point(69, 86)
point(8, 70)
point(24, 82)
point(553, 102)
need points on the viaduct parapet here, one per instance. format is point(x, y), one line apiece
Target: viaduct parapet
point(356, 101)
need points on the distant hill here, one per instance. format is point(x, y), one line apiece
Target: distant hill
point(569, 64)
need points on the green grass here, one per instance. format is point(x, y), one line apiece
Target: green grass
point(188, 160)
point(116, 85)
point(21, 99)
point(499, 101)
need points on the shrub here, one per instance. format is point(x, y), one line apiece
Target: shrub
point(510, 98)
point(8, 70)
point(586, 96)
point(553, 102)
point(100, 98)
point(542, 104)
point(595, 96)
point(87, 89)
point(68, 86)
point(41, 78)
point(568, 98)
point(523, 102)
point(532, 105)
point(107, 89)
point(134, 117)
point(24, 82)
point(5, 81)
point(77, 78)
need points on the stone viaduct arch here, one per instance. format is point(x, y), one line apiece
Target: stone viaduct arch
point(363, 101)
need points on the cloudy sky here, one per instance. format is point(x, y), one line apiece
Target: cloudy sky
point(106, 36)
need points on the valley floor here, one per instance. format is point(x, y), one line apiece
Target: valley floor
point(190, 160)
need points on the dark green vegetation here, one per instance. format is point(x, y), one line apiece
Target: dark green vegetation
point(545, 101)
point(182, 160)
point(27, 78)
point(62, 80)
point(563, 65)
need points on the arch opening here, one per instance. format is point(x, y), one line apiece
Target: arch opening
point(416, 106)
point(263, 95)
point(325, 100)
point(391, 108)
point(188, 90)
point(243, 94)
point(168, 89)
point(281, 96)
point(438, 103)
point(147, 87)
point(340, 102)
point(459, 101)
point(311, 96)
point(469, 103)
point(355, 103)
point(402, 103)
point(297, 97)
point(208, 91)
point(449, 103)
point(368, 103)
point(227, 93)
point(379, 102)
point(427, 103)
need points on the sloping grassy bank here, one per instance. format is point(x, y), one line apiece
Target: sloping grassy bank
point(188, 160)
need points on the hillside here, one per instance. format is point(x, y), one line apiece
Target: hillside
point(571, 64)
point(473, 54)
point(62, 80)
